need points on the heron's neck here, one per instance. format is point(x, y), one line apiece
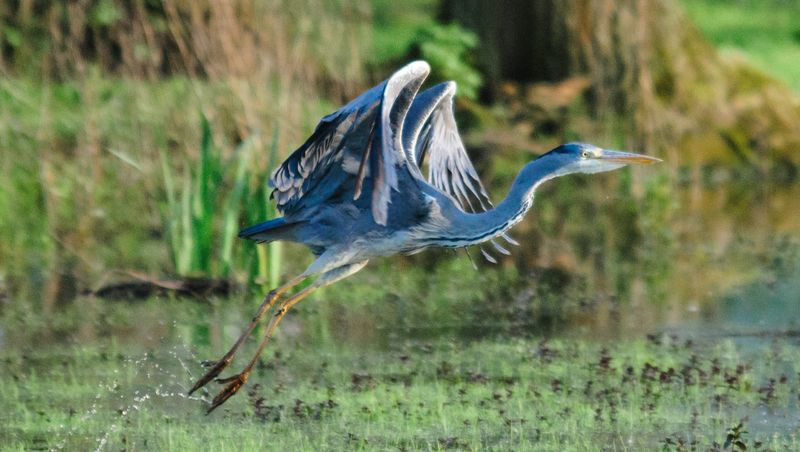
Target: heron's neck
point(472, 228)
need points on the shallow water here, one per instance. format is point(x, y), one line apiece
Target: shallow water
point(732, 269)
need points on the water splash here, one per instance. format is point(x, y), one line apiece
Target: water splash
point(141, 382)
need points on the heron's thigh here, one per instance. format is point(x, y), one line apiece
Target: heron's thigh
point(339, 273)
point(332, 259)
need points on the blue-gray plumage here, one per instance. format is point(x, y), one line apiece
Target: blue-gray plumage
point(355, 191)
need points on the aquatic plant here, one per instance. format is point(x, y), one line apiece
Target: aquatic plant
point(203, 216)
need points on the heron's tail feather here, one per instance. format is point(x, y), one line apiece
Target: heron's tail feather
point(269, 231)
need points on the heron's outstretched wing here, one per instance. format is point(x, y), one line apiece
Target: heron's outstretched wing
point(362, 139)
point(430, 131)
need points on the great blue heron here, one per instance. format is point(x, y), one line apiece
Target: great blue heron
point(355, 191)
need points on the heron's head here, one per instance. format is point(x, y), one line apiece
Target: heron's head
point(586, 158)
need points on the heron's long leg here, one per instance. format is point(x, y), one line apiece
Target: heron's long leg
point(222, 363)
point(236, 381)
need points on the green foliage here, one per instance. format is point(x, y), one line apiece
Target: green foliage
point(447, 48)
point(24, 224)
point(190, 215)
point(104, 13)
point(12, 36)
point(203, 215)
point(269, 256)
point(735, 438)
point(764, 32)
point(404, 30)
point(26, 245)
point(395, 27)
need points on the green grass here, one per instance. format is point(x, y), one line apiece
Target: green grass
point(125, 389)
point(765, 32)
point(205, 208)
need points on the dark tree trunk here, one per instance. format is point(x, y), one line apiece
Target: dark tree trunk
point(550, 40)
point(520, 40)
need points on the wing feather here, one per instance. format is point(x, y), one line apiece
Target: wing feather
point(367, 130)
point(431, 131)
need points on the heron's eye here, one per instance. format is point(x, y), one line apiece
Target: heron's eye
point(585, 154)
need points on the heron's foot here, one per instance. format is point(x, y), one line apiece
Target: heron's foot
point(233, 384)
point(216, 367)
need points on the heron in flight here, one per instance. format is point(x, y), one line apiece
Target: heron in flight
point(355, 191)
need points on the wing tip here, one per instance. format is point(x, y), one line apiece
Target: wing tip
point(416, 67)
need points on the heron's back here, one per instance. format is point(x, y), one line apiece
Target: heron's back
point(341, 220)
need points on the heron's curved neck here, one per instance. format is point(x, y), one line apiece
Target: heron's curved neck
point(472, 228)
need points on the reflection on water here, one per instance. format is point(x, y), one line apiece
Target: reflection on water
point(730, 265)
point(754, 312)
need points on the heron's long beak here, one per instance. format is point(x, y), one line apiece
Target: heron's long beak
point(626, 157)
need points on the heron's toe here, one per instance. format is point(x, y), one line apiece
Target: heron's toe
point(233, 384)
point(216, 367)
